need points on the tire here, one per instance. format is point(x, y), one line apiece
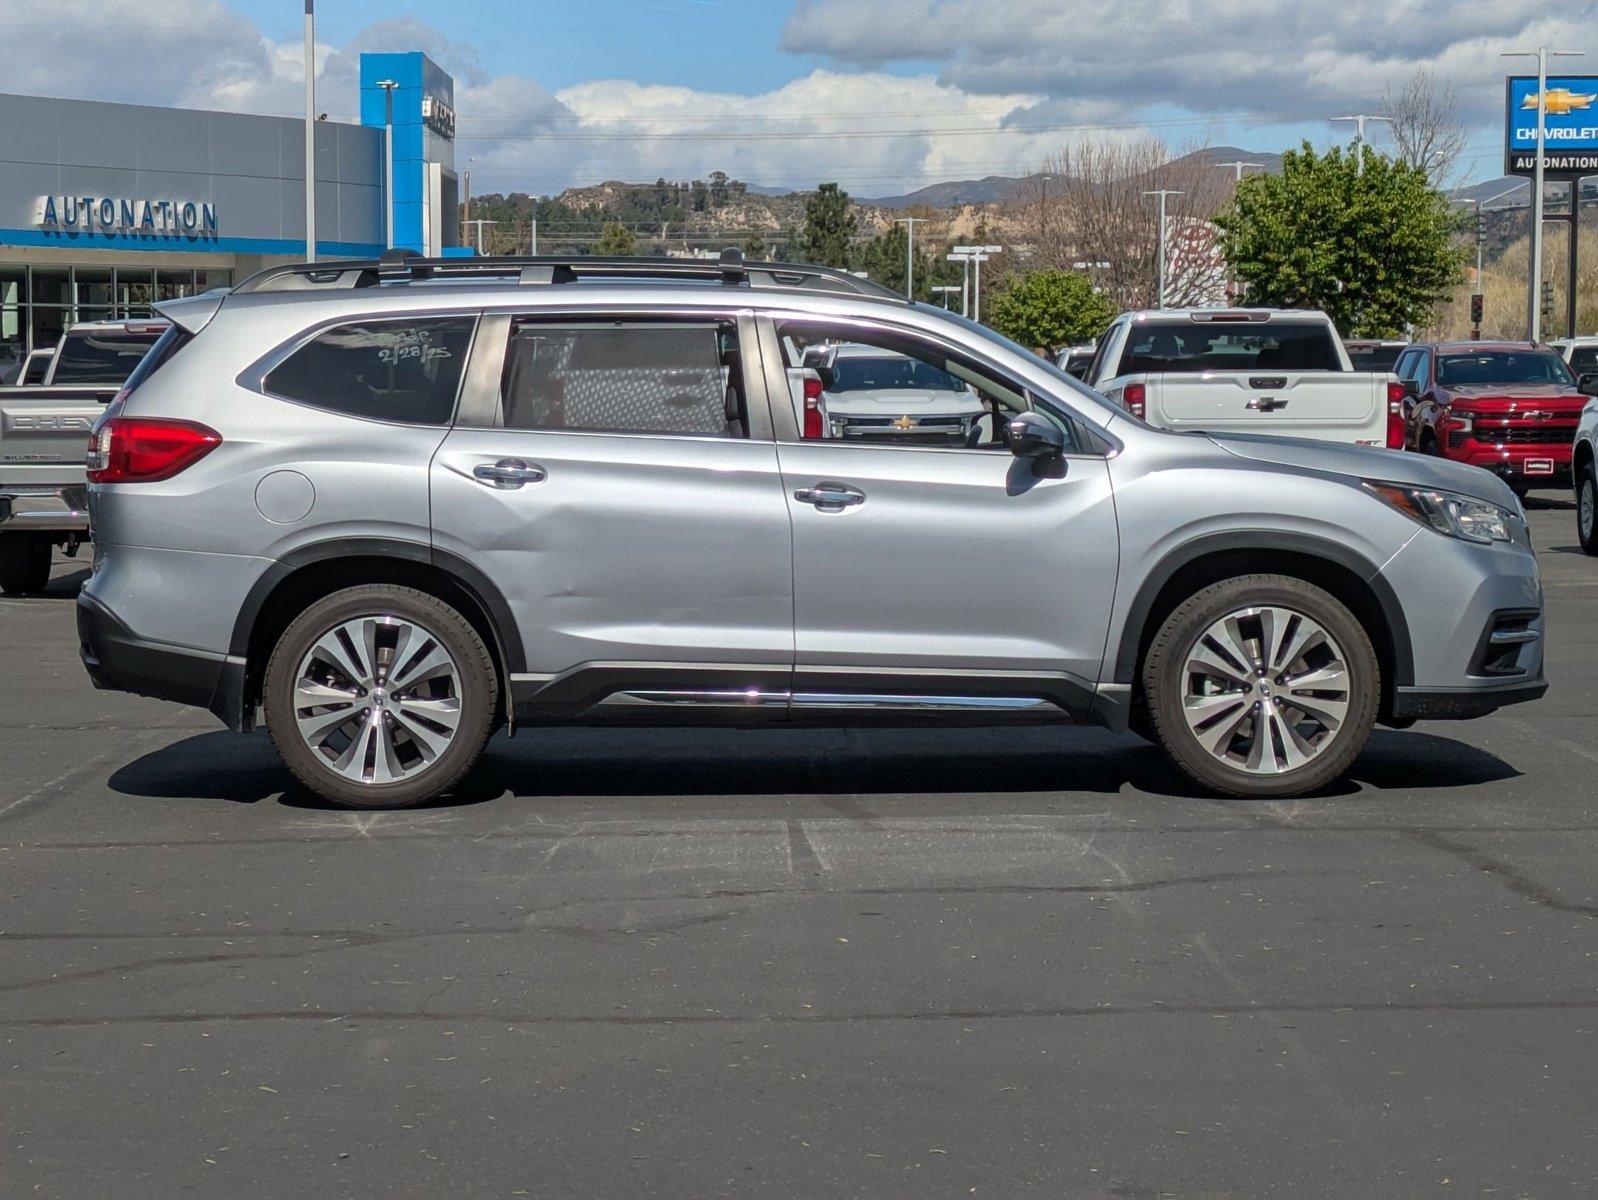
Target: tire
point(413, 753)
point(1305, 750)
point(25, 563)
point(1587, 509)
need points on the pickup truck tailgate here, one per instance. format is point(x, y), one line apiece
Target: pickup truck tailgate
point(1340, 406)
point(44, 432)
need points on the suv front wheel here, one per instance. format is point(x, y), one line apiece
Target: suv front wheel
point(1262, 686)
point(380, 696)
point(1587, 508)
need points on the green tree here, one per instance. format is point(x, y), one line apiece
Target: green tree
point(615, 239)
point(1049, 309)
point(755, 246)
point(1375, 249)
point(829, 224)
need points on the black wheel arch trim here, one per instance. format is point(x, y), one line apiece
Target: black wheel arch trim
point(1126, 653)
point(469, 578)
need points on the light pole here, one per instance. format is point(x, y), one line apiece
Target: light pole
point(480, 222)
point(974, 257)
point(1163, 194)
point(466, 197)
point(1359, 120)
point(388, 86)
point(1535, 275)
point(945, 290)
point(1238, 166)
point(310, 130)
point(965, 281)
point(909, 224)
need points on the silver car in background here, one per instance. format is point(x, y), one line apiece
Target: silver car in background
point(395, 505)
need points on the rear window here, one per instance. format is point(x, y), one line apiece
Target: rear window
point(1493, 367)
point(890, 373)
point(1155, 348)
point(102, 356)
point(1373, 358)
point(405, 370)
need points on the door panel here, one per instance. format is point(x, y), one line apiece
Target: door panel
point(629, 548)
point(955, 563)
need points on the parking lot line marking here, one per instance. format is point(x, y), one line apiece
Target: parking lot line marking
point(1553, 739)
point(73, 774)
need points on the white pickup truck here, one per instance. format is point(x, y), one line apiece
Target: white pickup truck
point(1269, 371)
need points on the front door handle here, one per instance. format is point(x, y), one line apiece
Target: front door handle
point(509, 473)
point(1266, 404)
point(831, 497)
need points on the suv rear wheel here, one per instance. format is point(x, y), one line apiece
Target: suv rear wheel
point(380, 696)
point(1587, 508)
point(24, 563)
point(1262, 686)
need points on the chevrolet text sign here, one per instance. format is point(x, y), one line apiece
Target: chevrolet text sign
point(1570, 125)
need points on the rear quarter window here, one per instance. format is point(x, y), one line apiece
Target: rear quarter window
point(401, 370)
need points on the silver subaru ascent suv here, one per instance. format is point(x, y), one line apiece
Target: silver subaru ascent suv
point(394, 505)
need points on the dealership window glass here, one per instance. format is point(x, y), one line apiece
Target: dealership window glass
point(13, 344)
point(92, 287)
point(206, 280)
point(13, 286)
point(135, 291)
point(408, 371)
point(49, 323)
point(625, 378)
point(52, 285)
point(171, 285)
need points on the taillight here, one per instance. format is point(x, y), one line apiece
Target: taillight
point(146, 449)
point(813, 430)
point(1135, 396)
point(1397, 436)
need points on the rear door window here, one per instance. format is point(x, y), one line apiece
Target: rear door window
point(402, 370)
point(626, 377)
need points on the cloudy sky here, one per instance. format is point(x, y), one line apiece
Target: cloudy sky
point(884, 95)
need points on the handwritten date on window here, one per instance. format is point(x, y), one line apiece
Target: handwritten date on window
point(414, 346)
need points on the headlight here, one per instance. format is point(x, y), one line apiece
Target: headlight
point(1449, 513)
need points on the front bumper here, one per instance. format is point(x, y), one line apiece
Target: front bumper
point(119, 660)
point(1510, 463)
point(49, 509)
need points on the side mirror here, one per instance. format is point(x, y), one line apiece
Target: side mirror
point(1412, 387)
point(1035, 437)
point(1587, 384)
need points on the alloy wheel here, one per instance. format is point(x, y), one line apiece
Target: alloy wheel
point(1266, 690)
point(377, 698)
point(1586, 504)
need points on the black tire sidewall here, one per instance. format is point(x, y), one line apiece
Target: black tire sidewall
point(478, 688)
point(25, 560)
point(1163, 684)
point(1588, 538)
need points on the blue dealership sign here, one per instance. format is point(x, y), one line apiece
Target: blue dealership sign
point(1570, 125)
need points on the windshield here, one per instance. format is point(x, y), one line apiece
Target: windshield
point(1374, 358)
point(1492, 367)
point(1163, 347)
point(861, 374)
point(102, 356)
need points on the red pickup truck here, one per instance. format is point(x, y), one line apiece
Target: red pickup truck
point(1511, 407)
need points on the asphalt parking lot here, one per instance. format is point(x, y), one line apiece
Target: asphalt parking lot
point(797, 963)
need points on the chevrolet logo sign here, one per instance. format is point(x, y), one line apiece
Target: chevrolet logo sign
point(904, 424)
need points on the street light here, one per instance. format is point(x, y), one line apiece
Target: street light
point(945, 290)
point(974, 257)
point(1359, 120)
point(1162, 193)
point(1534, 276)
point(310, 130)
point(1239, 166)
point(388, 86)
point(909, 224)
point(480, 222)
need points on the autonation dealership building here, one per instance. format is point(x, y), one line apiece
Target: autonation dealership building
point(107, 208)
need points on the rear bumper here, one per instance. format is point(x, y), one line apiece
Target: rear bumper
point(50, 509)
point(119, 660)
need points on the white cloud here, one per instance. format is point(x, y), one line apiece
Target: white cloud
point(1281, 60)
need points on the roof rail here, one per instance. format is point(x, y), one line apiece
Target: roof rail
point(406, 266)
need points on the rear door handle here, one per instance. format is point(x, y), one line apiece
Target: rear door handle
point(509, 473)
point(831, 497)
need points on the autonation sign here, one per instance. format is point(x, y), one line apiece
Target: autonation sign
point(1570, 125)
point(126, 215)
